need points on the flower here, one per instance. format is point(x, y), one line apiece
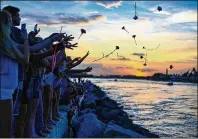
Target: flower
point(135, 17)
point(117, 47)
point(143, 47)
point(144, 64)
point(171, 67)
point(124, 29)
point(141, 57)
point(83, 31)
point(133, 36)
point(159, 8)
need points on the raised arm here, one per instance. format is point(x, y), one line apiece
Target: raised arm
point(72, 61)
point(78, 62)
point(47, 53)
point(46, 43)
point(25, 46)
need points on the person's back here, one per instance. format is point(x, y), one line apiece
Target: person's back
point(9, 76)
point(16, 35)
point(9, 58)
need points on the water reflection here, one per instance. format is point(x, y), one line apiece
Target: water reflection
point(170, 111)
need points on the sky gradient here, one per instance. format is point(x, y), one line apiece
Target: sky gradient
point(174, 28)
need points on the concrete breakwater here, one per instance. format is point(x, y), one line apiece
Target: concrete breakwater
point(99, 117)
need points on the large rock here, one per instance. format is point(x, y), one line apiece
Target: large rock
point(109, 103)
point(89, 101)
point(142, 131)
point(88, 110)
point(99, 93)
point(90, 127)
point(109, 114)
point(115, 131)
point(125, 122)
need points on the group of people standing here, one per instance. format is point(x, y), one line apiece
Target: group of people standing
point(34, 77)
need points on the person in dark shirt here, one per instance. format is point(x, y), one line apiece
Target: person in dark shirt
point(10, 56)
point(18, 38)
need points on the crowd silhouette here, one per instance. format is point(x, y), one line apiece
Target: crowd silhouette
point(35, 77)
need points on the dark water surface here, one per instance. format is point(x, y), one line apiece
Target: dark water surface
point(169, 111)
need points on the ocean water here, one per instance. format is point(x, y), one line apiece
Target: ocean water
point(169, 111)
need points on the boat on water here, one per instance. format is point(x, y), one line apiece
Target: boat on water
point(170, 83)
point(115, 80)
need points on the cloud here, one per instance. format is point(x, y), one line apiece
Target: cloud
point(194, 57)
point(182, 27)
point(184, 49)
point(123, 59)
point(109, 4)
point(92, 12)
point(62, 18)
point(97, 17)
point(155, 11)
point(99, 69)
point(182, 17)
point(147, 70)
point(138, 54)
point(124, 68)
point(188, 60)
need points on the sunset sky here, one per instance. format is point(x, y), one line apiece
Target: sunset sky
point(174, 28)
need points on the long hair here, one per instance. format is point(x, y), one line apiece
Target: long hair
point(7, 45)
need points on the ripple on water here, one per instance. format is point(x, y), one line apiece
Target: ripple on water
point(169, 111)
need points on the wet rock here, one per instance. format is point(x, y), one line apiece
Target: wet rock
point(115, 131)
point(142, 131)
point(90, 126)
point(89, 101)
point(109, 114)
point(108, 103)
point(98, 93)
point(88, 110)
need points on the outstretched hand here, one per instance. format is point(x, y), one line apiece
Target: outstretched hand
point(36, 30)
point(57, 36)
point(87, 53)
point(70, 46)
point(77, 58)
point(68, 38)
point(88, 69)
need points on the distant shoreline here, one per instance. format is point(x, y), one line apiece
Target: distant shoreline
point(136, 78)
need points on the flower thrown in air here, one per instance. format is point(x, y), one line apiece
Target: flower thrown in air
point(135, 17)
point(152, 48)
point(134, 36)
point(159, 8)
point(124, 29)
point(83, 31)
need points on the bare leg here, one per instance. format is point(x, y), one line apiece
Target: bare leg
point(46, 104)
point(30, 116)
point(6, 118)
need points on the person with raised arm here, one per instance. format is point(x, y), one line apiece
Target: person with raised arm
point(32, 84)
point(16, 35)
point(10, 57)
point(73, 64)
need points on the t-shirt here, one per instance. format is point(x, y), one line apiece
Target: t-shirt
point(8, 76)
point(18, 38)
